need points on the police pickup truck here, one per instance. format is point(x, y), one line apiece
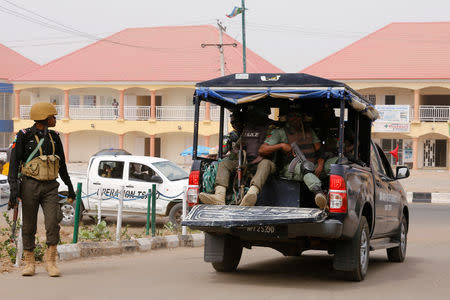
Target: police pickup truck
point(367, 205)
point(107, 174)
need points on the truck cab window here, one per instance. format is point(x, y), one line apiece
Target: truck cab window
point(111, 169)
point(387, 170)
point(140, 172)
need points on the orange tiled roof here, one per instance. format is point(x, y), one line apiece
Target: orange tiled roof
point(397, 51)
point(13, 64)
point(151, 54)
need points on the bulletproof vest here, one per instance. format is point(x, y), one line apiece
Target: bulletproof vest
point(304, 141)
point(43, 167)
point(252, 138)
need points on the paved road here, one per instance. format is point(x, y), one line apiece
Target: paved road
point(262, 274)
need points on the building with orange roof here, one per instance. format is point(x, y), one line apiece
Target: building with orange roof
point(405, 69)
point(12, 64)
point(150, 73)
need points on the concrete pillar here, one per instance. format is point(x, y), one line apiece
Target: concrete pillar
point(122, 105)
point(152, 145)
point(121, 141)
point(153, 105)
point(207, 140)
point(416, 105)
point(415, 149)
point(66, 104)
point(17, 104)
point(207, 111)
point(66, 146)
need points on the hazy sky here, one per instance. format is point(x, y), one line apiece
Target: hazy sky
point(290, 34)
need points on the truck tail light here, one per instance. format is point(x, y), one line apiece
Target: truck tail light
point(192, 192)
point(337, 194)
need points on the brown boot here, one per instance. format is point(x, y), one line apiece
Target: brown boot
point(29, 268)
point(250, 197)
point(50, 261)
point(218, 198)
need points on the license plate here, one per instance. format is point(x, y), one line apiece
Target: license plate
point(262, 231)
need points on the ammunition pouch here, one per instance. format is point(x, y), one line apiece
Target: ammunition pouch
point(43, 167)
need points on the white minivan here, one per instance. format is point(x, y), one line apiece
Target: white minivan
point(137, 174)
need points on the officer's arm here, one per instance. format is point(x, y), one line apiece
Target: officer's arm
point(320, 160)
point(16, 159)
point(62, 165)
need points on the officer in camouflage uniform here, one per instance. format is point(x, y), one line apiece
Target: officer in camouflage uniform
point(253, 134)
point(37, 183)
point(280, 141)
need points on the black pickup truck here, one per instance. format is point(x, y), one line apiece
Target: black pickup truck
point(367, 205)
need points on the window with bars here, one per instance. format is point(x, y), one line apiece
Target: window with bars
point(390, 144)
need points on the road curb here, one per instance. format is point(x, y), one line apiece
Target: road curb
point(437, 198)
point(95, 249)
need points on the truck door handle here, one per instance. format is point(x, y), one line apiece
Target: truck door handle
point(129, 186)
point(96, 183)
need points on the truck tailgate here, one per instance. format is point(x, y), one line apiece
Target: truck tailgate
point(228, 216)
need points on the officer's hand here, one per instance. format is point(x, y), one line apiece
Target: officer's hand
point(286, 147)
point(318, 170)
point(71, 194)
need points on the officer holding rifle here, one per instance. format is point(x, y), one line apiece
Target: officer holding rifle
point(36, 160)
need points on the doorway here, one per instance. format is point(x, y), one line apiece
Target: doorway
point(157, 147)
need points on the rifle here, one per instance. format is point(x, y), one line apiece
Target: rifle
point(14, 224)
point(239, 176)
point(300, 158)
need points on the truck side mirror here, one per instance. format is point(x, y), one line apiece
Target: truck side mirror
point(402, 172)
point(156, 178)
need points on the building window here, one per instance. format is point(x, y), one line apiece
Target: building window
point(89, 100)
point(390, 144)
point(389, 100)
point(56, 99)
point(74, 100)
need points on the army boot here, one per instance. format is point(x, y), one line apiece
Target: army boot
point(218, 198)
point(251, 196)
point(320, 198)
point(50, 261)
point(29, 268)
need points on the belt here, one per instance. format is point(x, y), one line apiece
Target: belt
point(34, 179)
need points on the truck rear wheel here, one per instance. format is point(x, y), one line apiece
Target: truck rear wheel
point(352, 257)
point(232, 253)
point(175, 214)
point(398, 254)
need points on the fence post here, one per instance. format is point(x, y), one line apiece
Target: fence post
point(153, 209)
point(76, 223)
point(183, 228)
point(19, 251)
point(99, 206)
point(119, 213)
point(149, 196)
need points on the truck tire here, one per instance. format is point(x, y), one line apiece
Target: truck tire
point(231, 256)
point(68, 212)
point(352, 257)
point(398, 254)
point(175, 214)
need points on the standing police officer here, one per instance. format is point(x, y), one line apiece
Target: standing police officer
point(38, 155)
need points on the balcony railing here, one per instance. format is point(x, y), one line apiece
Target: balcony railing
point(434, 113)
point(132, 113)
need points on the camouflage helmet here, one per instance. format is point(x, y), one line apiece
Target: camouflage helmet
point(42, 110)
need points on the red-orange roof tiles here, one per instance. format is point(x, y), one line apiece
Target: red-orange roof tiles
point(168, 54)
point(397, 51)
point(13, 64)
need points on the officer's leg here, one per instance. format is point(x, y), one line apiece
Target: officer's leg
point(30, 205)
point(315, 185)
point(52, 215)
point(264, 169)
point(30, 192)
point(224, 171)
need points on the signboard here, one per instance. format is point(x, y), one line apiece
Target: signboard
point(407, 151)
point(393, 118)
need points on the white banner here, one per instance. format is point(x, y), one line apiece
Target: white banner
point(393, 118)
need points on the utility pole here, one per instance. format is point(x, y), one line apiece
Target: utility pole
point(244, 50)
point(220, 46)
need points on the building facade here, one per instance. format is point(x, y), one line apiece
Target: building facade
point(136, 95)
point(405, 69)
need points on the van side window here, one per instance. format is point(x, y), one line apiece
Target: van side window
point(111, 169)
point(140, 172)
point(374, 161)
